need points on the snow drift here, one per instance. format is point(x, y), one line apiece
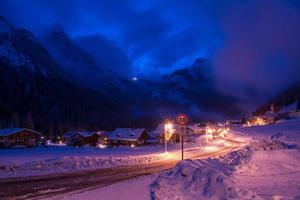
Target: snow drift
point(210, 178)
point(200, 179)
point(68, 164)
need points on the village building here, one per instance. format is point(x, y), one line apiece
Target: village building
point(128, 136)
point(80, 138)
point(193, 129)
point(159, 134)
point(12, 137)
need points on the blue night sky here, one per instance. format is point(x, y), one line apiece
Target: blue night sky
point(253, 43)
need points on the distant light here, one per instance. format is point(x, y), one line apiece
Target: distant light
point(132, 145)
point(167, 155)
point(102, 146)
point(211, 148)
point(134, 79)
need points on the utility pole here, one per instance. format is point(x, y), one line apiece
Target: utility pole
point(166, 149)
point(182, 138)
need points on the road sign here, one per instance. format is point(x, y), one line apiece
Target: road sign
point(182, 119)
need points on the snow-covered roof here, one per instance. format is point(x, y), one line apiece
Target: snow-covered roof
point(195, 128)
point(82, 133)
point(160, 129)
point(289, 108)
point(10, 131)
point(127, 134)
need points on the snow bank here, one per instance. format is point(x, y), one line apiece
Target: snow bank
point(63, 159)
point(273, 172)
point(212, 179)
point(200, 179)
point(270, 174)
point(71, 164)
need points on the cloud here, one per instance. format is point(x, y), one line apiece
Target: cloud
point(254, 44)
point(261, 47)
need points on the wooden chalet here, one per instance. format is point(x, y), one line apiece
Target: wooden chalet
point(128, 136)
point(12, 137)
point(80, 138)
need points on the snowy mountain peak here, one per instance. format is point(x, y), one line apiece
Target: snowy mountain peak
point(57, 33)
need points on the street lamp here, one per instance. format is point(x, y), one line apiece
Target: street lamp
point(168, 133)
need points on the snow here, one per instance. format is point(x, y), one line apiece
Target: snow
point(126, 134)
point(10, 131)
point(60, 159)
point(199, 179)
point(269, 168)
point(63, 159)
point(286, 130)
point(134, 189)
point(66, 159)
point(82, 133)
point(270, 175)
point(196, 128)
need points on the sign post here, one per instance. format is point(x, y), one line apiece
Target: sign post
point(182, 120)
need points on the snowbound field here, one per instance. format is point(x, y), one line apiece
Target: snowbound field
point(269, 168)
point(272, 174)
point(47, 160)
point(64, 159)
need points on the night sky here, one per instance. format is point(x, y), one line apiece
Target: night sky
point(252, 44)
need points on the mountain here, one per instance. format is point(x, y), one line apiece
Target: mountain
point(54, 85)
point(79, 65)
point(190, 90)
point(284, 98)
point(106, 53)
point(196, 86)
point(36, 93)
point(83, 69)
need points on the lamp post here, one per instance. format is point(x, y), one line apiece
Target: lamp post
point(168, 133)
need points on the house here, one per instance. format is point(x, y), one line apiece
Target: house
point(11, 137)
point(193, 129)
point(79, 138)
point(128, 136)
point(159, 134)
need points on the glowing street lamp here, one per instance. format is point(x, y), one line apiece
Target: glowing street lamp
point(169, 130)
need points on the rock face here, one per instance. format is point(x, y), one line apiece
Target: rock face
point(53, 85)
point(35, 91)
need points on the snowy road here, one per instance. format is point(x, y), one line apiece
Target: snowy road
point(47, 185)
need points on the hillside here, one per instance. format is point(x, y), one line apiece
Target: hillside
point(284, 98)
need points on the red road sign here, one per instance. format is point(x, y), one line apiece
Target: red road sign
point(182, 119)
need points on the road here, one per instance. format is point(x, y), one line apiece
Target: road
point(50, 185)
